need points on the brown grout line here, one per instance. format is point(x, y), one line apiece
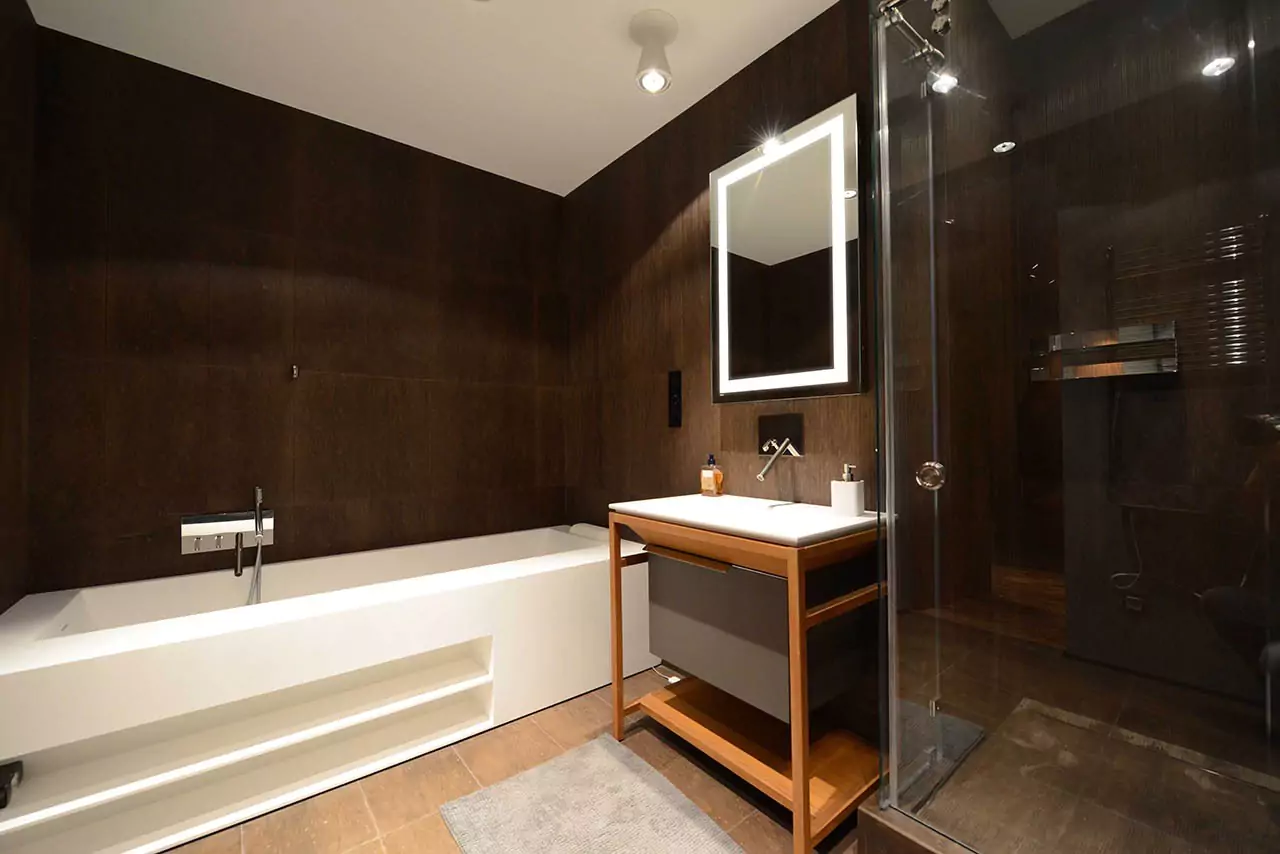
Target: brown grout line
point(364, 796)
point(543, 730)
point(468, 767)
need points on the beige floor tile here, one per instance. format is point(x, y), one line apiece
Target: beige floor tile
point(576, 721)
point(330, 823)
point(506, 751)
point(226, 842)
point(725, 806)
point(417, 788)
point(646, 742)
point(429, 835)
point(759, 834)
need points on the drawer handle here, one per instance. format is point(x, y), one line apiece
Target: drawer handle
point(685, 557)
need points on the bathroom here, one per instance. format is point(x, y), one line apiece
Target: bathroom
point(359, 362)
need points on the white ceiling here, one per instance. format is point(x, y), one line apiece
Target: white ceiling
point(1022, 16)
point(542, 91)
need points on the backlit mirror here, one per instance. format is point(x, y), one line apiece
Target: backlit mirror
point(784, 238)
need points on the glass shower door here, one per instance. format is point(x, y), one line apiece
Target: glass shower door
point(913, 469)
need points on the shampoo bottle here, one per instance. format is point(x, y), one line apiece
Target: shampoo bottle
point(848, 496)
point(712, 477)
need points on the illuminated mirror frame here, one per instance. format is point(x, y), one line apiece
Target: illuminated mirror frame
point(839, 125)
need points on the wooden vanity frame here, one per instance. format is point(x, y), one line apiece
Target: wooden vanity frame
point(833, 776)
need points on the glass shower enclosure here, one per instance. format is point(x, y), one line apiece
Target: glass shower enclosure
point(1078, 316)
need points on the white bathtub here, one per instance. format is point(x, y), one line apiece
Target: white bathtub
point(153, 712)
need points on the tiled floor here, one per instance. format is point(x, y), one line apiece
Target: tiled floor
point(981, 676)
point(397, 811)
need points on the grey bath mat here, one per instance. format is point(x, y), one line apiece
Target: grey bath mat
point(600, 797)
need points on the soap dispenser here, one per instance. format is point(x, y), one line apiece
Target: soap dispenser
point(712, 478)
point(848, 496)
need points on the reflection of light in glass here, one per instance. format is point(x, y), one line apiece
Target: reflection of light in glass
point(1218, 66)
point(1252, 44)
point(942, 82)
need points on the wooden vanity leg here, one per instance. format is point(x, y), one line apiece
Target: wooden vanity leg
point(615, 622)
point(799, 671)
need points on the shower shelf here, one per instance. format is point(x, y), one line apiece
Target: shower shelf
point(112, 771)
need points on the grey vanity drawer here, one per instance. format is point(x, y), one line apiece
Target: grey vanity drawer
point(729, 628)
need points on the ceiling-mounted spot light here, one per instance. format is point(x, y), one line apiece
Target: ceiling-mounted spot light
point(1004, 147)
point(850, 194)
point(942, 82)
point(653, 30)
point(1218, 66)
point(771, 145)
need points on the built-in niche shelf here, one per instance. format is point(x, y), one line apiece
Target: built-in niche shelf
point(192, 775)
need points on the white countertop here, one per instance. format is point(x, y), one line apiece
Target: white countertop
point(781, 522)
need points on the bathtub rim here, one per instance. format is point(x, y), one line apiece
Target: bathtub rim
point(41, 652)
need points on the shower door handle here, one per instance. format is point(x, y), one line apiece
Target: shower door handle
point(931, 475)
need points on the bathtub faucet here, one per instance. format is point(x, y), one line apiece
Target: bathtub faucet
point(219, 531)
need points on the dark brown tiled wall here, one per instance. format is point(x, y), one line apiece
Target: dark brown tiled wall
point(637, 260)
point(191, 244)
point(17, 122)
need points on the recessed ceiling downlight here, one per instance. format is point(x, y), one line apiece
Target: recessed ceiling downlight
point(1218, 66)
point(1004, 147)
point(653, 30)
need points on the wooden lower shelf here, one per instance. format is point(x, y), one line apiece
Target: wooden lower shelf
point(756, 747)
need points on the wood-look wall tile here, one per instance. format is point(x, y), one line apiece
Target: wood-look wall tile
point(401, 444)
point(401, 316)
point(157, 431)
point(549, 430)
point(552, 339)
point(158, 290)
point(69, 295)
point(250, 298)
point(465, 514)
point(521, 509)
point(257, 142)
point(161, 142)
point(329, 288)
point(68, 445)
point(333, 192)
point(336, 424)
point(249, 412)
point(487, 333)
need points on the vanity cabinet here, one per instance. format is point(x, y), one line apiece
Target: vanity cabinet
point(767, 628)
point(727, 625)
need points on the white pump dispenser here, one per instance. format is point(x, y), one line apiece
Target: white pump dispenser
point(848, 496)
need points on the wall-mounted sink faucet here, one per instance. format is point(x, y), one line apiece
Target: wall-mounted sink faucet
point(220, 531)
point(778, 448)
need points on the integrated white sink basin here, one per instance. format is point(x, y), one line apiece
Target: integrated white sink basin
point(781, 522)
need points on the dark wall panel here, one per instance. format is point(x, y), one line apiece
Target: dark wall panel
point(17, 122)
point(192, 243)
point(635, 246)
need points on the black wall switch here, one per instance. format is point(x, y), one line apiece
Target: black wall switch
point(675, 399)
